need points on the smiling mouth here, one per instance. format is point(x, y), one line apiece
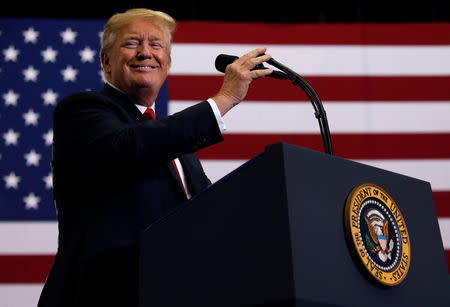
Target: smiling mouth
point(143, 67)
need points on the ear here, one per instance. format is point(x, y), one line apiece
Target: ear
point(105, 62)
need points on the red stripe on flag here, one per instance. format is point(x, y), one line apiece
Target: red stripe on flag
point(34, 269)
point(350, 146)
point(335, 88)
point(442, 202)
point(24, 268)
point(407, 34)
point(316, 34)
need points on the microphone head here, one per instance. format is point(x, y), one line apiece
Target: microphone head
point(223, 60)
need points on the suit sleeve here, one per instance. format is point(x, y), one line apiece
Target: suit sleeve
point(92, 133)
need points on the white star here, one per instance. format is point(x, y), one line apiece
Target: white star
point(30, 35)
point(48, 137)
point(32, 201)
point(11, 137)
point(69, 74)
point(49, 54)
point(11, 181)
point(49, 97)
point(11, 98)
point(87, 55)
point(68, 36)
point(31, 118)
point(11, 54)
point(48, 181)
point(30, 74)
point(32, 158)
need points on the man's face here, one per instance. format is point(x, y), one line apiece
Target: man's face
point(139, 58)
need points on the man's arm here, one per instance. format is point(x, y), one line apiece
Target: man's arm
point(94, 134)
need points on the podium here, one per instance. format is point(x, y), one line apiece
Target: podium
point(271, 233)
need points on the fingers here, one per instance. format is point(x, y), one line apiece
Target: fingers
point(249, 63)
point(253, 58)
point(238, 76)
point(245, 65)
point(258, 73)
point(252, 54)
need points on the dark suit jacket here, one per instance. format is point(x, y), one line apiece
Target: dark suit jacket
point(112, 178)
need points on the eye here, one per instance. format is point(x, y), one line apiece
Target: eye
point(156, 44)
point(131, 43)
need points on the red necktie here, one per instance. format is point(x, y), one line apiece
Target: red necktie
point(150, 114)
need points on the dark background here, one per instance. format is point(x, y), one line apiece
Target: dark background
point(311, 11)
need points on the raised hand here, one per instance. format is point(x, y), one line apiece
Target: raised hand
point(238, 76)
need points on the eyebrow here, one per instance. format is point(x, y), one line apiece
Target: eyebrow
point(139, 37)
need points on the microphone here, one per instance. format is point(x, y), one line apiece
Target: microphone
point(223, 60)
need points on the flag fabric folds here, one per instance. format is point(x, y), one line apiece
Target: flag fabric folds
point(385, 87)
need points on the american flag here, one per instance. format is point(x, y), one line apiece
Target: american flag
point(385, 87)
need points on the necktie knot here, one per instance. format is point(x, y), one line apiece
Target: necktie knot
point(149, 114)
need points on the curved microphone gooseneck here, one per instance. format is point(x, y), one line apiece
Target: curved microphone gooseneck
point(320, 113)
point(223, 60)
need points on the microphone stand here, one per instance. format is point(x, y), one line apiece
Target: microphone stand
point(320, 113)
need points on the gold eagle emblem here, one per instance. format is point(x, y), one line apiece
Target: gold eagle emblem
point(379, 233)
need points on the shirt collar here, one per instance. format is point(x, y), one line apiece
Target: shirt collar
point(143, 108)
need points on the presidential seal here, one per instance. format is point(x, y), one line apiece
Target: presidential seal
point(377, 235)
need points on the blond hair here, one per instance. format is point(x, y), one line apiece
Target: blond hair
point(119, 20)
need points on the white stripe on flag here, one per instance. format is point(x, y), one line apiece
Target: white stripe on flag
point(21, 295)
point(28, 241)
point(33, 238)
point(323, 59)
point(444, 225)
point(437, 172)
point(355, 117)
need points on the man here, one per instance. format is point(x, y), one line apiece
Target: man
point(115, 172)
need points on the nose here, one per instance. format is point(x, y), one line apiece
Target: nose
point(144, 52)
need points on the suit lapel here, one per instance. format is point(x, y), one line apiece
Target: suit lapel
point(129, 105)
point(124, 101)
